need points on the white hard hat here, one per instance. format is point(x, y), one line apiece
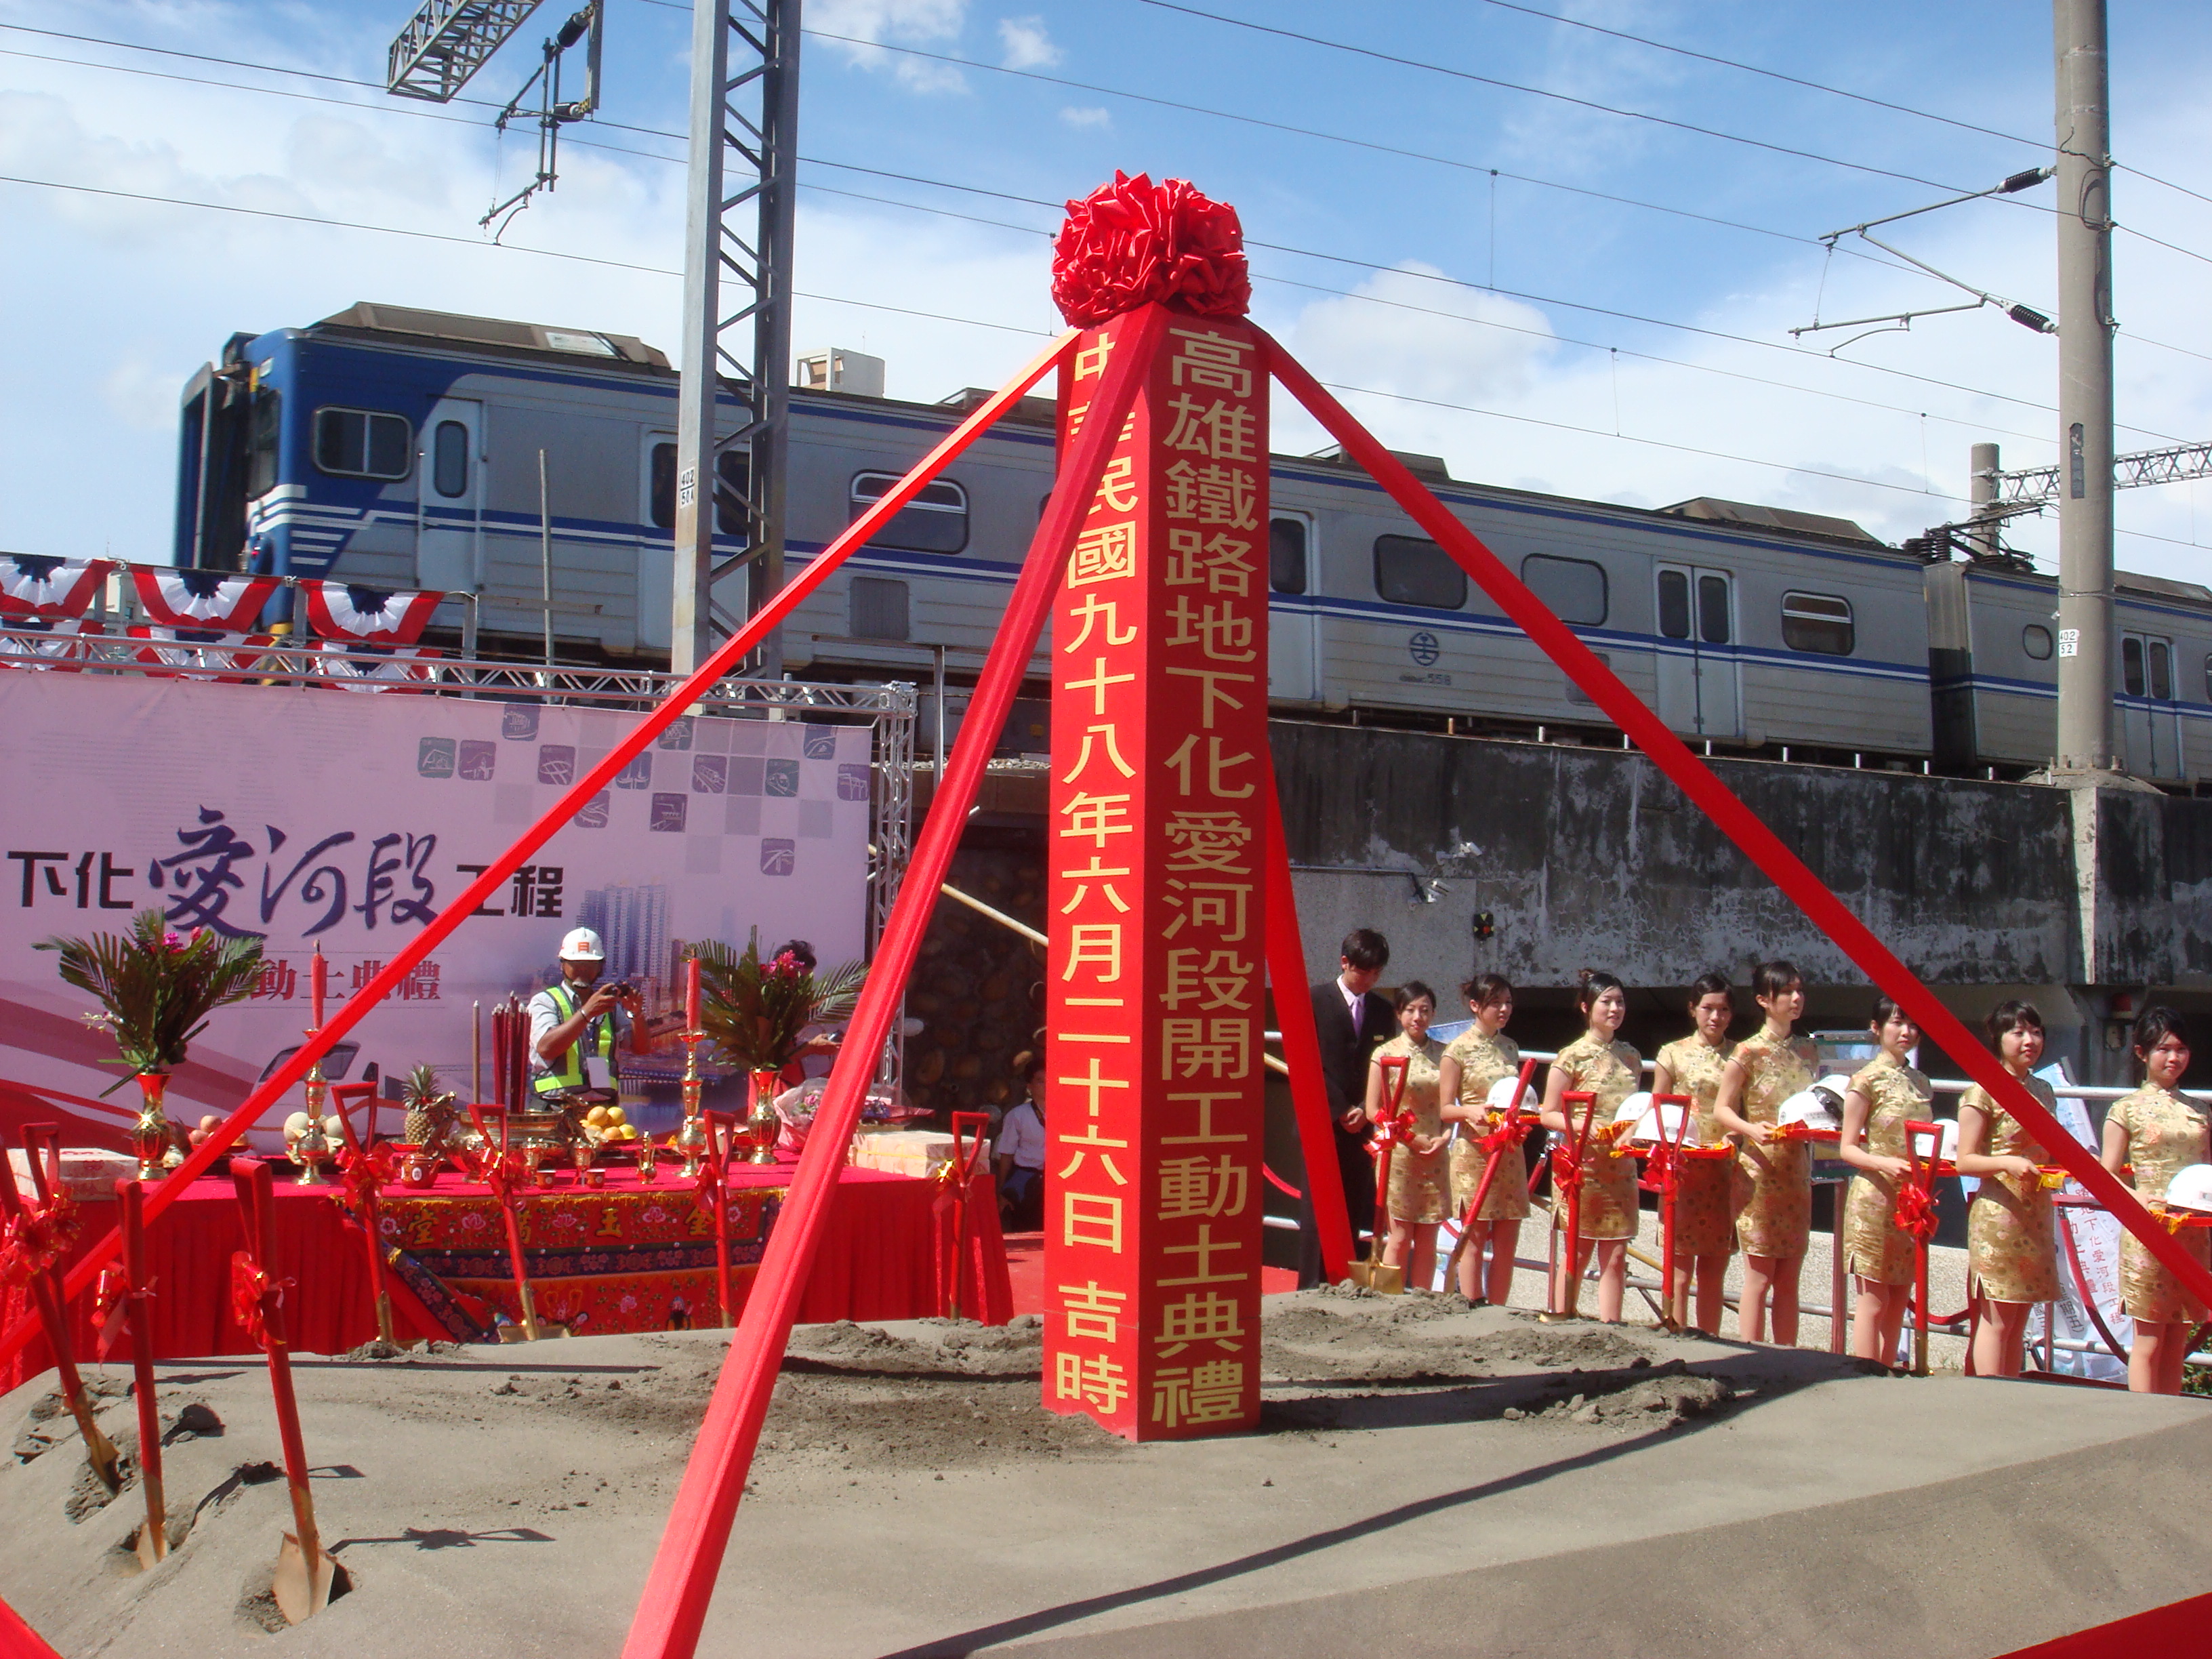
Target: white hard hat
point(1503, 1093)
point(2191, 1188)
point(1807, 1107)
point(1653, 1122)
point(582, 944)
point(1835, 1086)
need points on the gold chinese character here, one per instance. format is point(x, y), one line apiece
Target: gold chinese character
point(1093, 1312)
point(1095, 945)
point(1220, 430)
point(1216, 904)
point(1091, 610)
point(1103, 554)
point(1210, 1393)
point(1205, 1100)
point(1212, 692)
point(1210, 360)
point(1105, 1161)
point(1097, 1378)
point(1211, 1317)
point(1096, 817)
point(1093, 1080)
point(1204, 1250)
point(1099, 683)
point(1211, 495)
point(1094, 1218)
point(1105, 734)
point(1208, 841)
point(1117, 487)
point(1219, 1048)
point(1216, 764)
point(1198, 1186)
point(1216, 629)
point(1093, 871)
point(1091, 360)
point(1225, 980)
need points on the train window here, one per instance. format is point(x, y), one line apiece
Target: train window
point(1286, 555)
point(261, 443)
point(733, 467)
point(1573, 588)
point(2131, 665)
point(876, 609)
point(1713, 609)
point(2035, 639)
point(1818, 621)
point(359, 443)
point(2161, 670)
point(449, 458)
point(1411, 571)
point(1674, 606)
point(935, 521)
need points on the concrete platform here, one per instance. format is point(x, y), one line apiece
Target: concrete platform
point(1645, 1496)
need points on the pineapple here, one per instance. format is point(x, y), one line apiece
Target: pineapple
point(429, 1110)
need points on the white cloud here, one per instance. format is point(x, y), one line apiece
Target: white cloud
point(141, 395)
point(1470, 354)
point(1091, 115)
point(1028, 46)
point(869, 26)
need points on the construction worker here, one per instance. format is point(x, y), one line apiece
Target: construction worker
point(572, 1025)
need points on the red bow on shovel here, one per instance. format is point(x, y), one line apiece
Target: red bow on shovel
point(34, 1238)
point(1916, 1214)
point(1569, 1166)
point(1392, 1130)
point(365, 1168)
point(301, 1582)
point(1512, 1129)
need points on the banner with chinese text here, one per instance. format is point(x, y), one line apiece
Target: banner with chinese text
point(1159, 716)
point(310, 817)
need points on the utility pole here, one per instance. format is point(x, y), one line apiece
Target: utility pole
point(1982, 492)
point(2085, 392)
point(738, 238)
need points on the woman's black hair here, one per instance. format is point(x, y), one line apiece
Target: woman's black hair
point(1710, 985)
point(1410, 992)
point(1885, 1008)
point(2153, 1025)
point(2011, 1016)
point(1773, 979)
point(1594, 983)
point(1485, 988)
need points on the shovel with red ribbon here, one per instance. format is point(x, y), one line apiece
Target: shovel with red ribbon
point(301, 1583)
point(1569, 1166)
point(1510, 1129)
point(365, 1169)
point(1916, 1214)
point(714, 1198)
point(1662, 1174)
point(502, 1171)
point(34, 1238)
point(154, 1537)
point(1394, 1130)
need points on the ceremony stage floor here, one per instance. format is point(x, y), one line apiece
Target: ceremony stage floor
point(912, 1497)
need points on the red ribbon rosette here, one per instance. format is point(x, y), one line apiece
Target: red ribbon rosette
point(252, 1292)
point(366, 1173)
point(1392, 1132)
point(1566, 1168)
point(1916, 1212)
point(1133, 242)
point(37, 1238)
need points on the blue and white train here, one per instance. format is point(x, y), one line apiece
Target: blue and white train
point(402, 448)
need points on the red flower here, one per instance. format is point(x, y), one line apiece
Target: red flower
point(1133, 242)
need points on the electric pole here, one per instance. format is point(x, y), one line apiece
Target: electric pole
point(2085, 392)
point(738, 239)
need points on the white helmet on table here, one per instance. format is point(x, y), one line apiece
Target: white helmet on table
point(1808, 1107)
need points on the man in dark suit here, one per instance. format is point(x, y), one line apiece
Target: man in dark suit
point(1353, 1020)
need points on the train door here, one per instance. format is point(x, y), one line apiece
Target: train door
point(1698, 689)
point(2150, 719)
point(1293, 653)
point(449, 496)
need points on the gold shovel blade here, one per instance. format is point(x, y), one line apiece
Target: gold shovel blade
point(299, 1594)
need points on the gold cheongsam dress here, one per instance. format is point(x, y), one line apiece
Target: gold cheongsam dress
point(1418, 1183)
point(1777, 1217)
point(1482, 1062)
point(1705, 1208)
point(2010, 1242)
point(2166, 1133)
point(1612, 1072)
point(1874, 1246)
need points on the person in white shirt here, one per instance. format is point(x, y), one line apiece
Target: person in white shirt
point(1019, 1155)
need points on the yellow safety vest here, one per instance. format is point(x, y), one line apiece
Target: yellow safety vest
point(568, 1073)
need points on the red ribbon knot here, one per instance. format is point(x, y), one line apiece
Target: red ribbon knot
point(1132, 242)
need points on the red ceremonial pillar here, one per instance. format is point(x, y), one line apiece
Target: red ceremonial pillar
point(1156, 833)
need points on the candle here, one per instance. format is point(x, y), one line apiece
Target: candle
point(691, 994)
point(320, 981)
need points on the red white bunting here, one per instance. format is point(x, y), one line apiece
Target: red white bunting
point(342, 611)
point(59, 646)
point(378, 667)
point(203, 598)
point(199, 654)
point(32, 585)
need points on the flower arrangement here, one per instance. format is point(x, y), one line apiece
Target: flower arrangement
point(755, 1010)
point(156, 988)
point(1132, 242)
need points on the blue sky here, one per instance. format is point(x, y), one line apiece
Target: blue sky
point(1478, 315)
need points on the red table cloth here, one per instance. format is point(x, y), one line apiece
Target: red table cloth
point(624, 1257)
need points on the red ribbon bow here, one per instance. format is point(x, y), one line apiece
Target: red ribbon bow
point(37, 1238)
point(1392, 1132)
point(253, 1294)
point(365, 1172)
point(111, 1296)
point(710, 1186)
point(1132, 242)
point(1566, 1168)
point(1916, 1212)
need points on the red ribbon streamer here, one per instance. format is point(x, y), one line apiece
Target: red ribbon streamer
point(1566, 1168)
point(1393, 1132)
point(38, 1238)
point(1132, 242)
point(365, 1174)
point(253, 1292)
point(1916, 1212)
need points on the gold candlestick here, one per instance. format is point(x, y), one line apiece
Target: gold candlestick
point(314, 1147)
point(691, 1137)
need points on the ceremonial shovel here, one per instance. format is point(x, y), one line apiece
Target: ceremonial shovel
point(45, 1293)
point(153, 1536)
point(1381, 1277)
point(1571, 1292)
point(301, 1582)
point(1490, 1172)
